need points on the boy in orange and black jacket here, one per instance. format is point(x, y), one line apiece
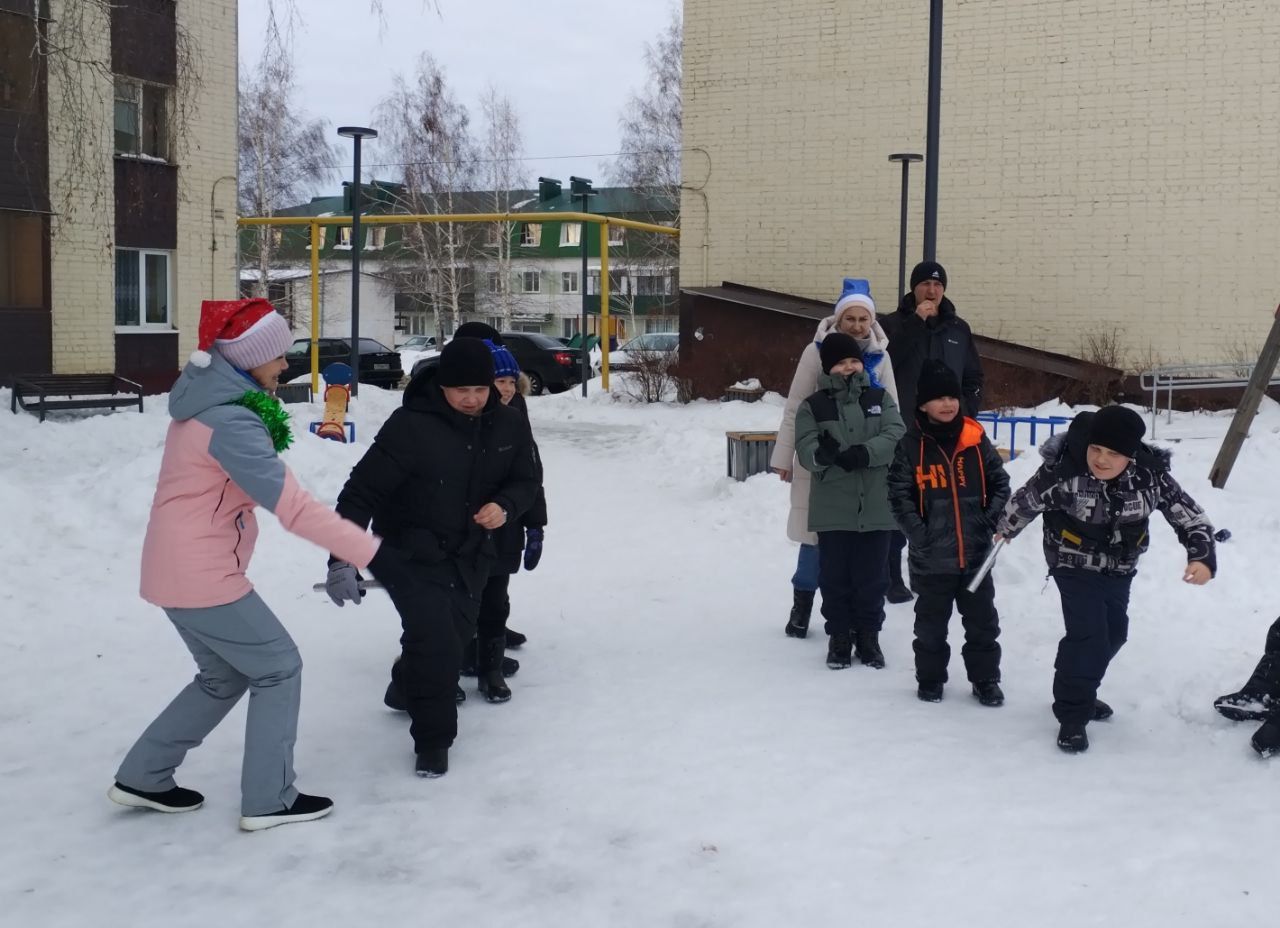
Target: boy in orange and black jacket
point(947, 488)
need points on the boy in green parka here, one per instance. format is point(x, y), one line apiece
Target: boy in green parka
point(845, 436)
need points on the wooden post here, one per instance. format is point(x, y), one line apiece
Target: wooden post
point(1248, 408)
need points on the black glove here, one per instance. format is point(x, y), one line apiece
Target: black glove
point(532, 547)
point(828, 449)
point(391, 566)
point(855, 457)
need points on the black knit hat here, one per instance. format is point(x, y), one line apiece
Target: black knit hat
point(835, 348)
point(1118, 428)
point(478, 330)
point(936, 381)
point(928, 270)
point(465, 362)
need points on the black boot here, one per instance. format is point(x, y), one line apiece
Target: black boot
point(468, 669)
point(1266, 740)
point(898, 591)
point(929, 692)
point(868, 649)
point(1072, 739)
point(1244, 706)
point(432, 763)
point(515, 639)
point(801, 609)
point(840, 651)
point(989, 693)
point(492, 685)
point(1101, 711)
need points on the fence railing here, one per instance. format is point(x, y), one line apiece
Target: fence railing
point(1171, 379)
point(996, 420)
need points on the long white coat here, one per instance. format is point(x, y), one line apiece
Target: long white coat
point(803, 385)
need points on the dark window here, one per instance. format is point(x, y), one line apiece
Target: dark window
point(19, 64)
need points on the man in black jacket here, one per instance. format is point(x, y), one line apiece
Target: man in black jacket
point(446, 472)
point(925, 327)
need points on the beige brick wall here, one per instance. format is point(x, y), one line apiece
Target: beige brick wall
point(83, 257)
point(1103, 164)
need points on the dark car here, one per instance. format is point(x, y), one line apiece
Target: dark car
point(379, 365)
point(550, 366)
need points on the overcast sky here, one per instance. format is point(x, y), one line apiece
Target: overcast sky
point(567, 65)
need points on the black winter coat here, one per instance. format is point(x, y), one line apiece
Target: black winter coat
point(946, 338)
point(947, 504)
point(511, 536)
point(431, 469)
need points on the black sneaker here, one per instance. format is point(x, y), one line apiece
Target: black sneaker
point(433, 763)
point(1266, 740)
point(840, 651)
point(515, 639)
point(304, 809)
point(1072, 739)
point(1101, 711)
point(929, 692)
point(989, 693)
point(1243, 706)
point(171, 800)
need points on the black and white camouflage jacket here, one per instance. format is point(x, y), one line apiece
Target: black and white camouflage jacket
point(1099, 525)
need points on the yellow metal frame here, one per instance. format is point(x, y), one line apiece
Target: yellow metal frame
point(604, 222)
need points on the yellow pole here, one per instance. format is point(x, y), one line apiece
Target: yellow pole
point(604, 305)
point(315, 309)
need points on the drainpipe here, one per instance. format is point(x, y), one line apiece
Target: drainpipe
point(213, 239)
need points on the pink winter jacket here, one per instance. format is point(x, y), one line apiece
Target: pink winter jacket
point(218, 465)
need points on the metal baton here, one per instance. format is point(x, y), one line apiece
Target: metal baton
point(986, 566)
point(370, 584)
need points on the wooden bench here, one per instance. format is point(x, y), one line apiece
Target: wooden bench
point(41, 392)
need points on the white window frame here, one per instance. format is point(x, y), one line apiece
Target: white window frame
point(531, 235)
point(142, 325)
point(343, 240)
point(376, 239)
point(495, 282)
point(130, 91)
point(617, 235)
point(526, 277)
point(568, 277)
point(570, 234)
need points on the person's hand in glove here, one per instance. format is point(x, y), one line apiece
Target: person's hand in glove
point(855, 457)
point(343, 583)
point(828, 449)
point(532, 547)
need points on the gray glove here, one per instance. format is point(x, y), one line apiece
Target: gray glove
point(343, 584)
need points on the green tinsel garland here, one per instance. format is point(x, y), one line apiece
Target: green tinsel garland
point(272, 413)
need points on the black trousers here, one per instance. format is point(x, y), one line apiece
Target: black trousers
point(495, 607)
point(1095, 610)
point(936, 594)
point(1265, 679)
point(437, 618)
point(853, 577)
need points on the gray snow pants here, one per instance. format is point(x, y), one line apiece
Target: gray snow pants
point(237, 647)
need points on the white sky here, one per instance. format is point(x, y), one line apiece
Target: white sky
point(567, 65)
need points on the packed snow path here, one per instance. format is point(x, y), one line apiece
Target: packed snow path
point(669, 757)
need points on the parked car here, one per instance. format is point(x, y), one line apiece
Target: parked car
point(379, 365)
point(417, 343)
point(551, 366)
point(660, 346)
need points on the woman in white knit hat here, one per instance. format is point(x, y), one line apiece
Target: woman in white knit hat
point(854, 315)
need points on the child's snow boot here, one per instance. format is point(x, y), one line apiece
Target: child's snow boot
point(840, 651)
point(433, 763)
point(868, 649)
point(898, 591)
point(929, 692)
point(801, 609)
point(1266, 740)
point(515, 639)
point(1072, 739)
point(989, 693)
point(1101, 711)
point(1244, 706)
point(492, 685)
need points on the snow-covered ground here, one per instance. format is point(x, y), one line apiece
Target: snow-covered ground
point(669, 757)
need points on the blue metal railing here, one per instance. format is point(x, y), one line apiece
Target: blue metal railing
point(1033, 422)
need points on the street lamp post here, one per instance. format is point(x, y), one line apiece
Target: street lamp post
point(358, 134)
point(931, 132)
point(907, 158)
point(580, 188)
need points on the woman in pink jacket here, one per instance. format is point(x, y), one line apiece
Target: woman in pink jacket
point(220, 462)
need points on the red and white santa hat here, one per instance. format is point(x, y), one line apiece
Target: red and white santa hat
point(245, 332)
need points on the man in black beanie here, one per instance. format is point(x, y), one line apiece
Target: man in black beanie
point(447, 470)
point(926, 327)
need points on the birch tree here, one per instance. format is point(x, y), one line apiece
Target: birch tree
point(503, 148)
